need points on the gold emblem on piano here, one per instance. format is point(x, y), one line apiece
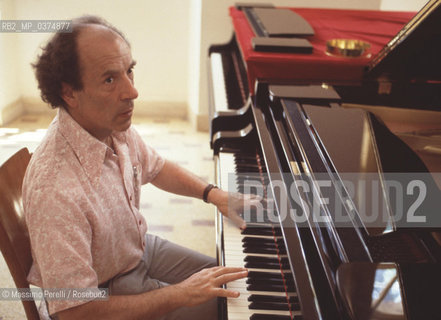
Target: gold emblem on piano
point(349, 48)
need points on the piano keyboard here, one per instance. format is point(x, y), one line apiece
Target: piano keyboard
point(229, 88)
point(269, 291)
point(218, 80)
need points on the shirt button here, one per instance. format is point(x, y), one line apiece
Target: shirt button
point(139, 221)
point(130, 197)
point(143, 243)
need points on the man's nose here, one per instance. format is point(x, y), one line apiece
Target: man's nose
point(129, 91)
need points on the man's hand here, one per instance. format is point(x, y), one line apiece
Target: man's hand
point(206, 284)
point(198, 288)
point(233, 205)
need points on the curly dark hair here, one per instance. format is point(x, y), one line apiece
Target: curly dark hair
point(58, 63)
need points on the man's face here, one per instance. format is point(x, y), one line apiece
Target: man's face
point(105, 103)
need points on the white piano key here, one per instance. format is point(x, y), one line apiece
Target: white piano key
point(227, 174)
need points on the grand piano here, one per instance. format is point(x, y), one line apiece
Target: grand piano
point(345, 153)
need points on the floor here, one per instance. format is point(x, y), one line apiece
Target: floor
point(169, 216)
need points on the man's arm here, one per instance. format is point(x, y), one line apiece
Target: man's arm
point(198, 288)
point(175, 179)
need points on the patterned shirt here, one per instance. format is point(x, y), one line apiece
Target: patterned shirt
point(81, 202)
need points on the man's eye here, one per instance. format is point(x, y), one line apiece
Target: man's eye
point(109, 80)
point(130, 71)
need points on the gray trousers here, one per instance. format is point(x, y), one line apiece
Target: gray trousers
point(165, 263)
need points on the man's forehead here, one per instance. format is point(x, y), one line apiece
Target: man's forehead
point(93, 30)
point(97, 46)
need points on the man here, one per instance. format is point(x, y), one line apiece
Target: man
point(81, 193)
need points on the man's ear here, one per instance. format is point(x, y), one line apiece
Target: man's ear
point(68, 95)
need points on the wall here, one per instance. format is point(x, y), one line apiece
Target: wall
point(402, 5)
point(9, 89)
point(194, 60)
point(158, 32)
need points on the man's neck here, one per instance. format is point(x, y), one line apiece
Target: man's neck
point(101, 135)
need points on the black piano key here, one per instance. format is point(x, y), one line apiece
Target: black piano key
point(261, 231)
point(257, 248)
point(261, 259)
point(266, 287)
point(248, 172)
point(250, 188)
point(269, 306)
point(258, 316)
point(264, 275)
point(295, 306)
point(258, 231)
point(267, 244)
point(282, 261)
point(250, 241)
point(262, 241)
point(289, 286)
point(270, 298)
point(241, 158)
point(264, 250)
point(276, 281)
point(257, 192)
point(243, 167)
point(247, 164)
point(269, 275)
point(262, 265)
point(264, 247)
point(260, 262)
point(250, 176)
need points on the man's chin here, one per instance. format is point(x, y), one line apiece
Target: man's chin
point(124, 127)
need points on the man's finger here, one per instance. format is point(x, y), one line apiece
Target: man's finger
point(224, 270)
point(217, 268)
point(238, 221)
point(220, 292)
point(225, 278)
point(250, 196)
point(253, 203)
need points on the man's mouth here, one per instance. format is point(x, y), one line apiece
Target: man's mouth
point(127, 113)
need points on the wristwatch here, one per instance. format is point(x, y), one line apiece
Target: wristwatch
point(207, 191)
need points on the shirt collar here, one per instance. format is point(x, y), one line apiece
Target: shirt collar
point(89, 150)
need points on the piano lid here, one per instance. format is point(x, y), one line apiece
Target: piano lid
point(413, 54)
point(375, 166)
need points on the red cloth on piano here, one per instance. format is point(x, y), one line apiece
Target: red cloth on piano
point(375, 27)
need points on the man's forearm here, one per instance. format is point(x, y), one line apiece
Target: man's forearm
point(175, 179)
point(148, 305)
